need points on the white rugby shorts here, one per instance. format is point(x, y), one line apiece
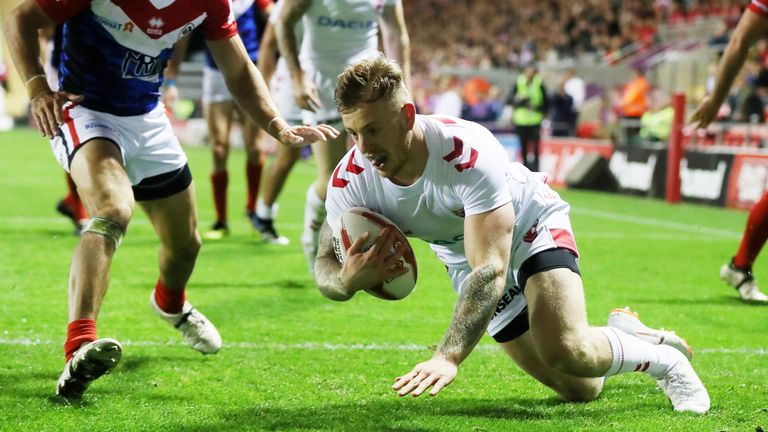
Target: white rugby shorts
point(146, 142)
point(281, 89)
point(214, 87)
point(325, 78)
point(552, 231)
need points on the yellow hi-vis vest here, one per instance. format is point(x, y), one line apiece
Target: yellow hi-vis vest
point(526, 116)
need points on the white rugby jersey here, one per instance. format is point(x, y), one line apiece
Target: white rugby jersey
point(281, 68)
point(467, 173)
point(341, 31)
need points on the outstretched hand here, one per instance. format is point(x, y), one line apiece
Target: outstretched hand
point(47, 107)
point(438, 372)
point(300, 136)
point(307, 97)
point(705, 113)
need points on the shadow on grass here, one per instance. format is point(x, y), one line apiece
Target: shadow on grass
point(400, 415)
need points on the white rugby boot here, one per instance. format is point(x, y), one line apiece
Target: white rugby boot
point(683, 387)
point(743, 281)
point(197, 330)
point(90, 361)
point(629, 322)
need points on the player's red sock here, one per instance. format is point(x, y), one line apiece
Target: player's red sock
point(755, 234)
point(170, 302)
point(253, 173)
point(220, 180)
point(79, 332)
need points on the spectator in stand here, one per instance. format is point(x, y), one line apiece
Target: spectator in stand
point(719, 40)
point(656, 123)
point(575, 88)
point(485, 109)
point(563, 112)
point(529, 103)
point(634, 103)
point(738, 272)
point(447, 100)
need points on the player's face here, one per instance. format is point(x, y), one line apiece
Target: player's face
point(380, 133)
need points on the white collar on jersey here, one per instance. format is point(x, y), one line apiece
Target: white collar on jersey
point(160, 4)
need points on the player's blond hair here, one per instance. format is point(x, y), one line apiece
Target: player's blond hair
point(368, 81)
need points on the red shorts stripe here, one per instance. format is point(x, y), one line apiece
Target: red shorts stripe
point(71, 126)
point(564, 239)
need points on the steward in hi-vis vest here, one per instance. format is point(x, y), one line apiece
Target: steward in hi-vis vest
point(529, 101)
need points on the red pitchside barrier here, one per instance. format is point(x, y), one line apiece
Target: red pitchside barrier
point(675, 151)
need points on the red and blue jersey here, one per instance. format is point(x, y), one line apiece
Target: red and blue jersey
point(245, 12)
point(114, 51)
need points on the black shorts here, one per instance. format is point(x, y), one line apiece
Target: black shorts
point(163, 185)
point(547, 260)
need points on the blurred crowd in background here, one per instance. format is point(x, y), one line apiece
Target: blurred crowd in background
point(466, 55)
point(452, 36)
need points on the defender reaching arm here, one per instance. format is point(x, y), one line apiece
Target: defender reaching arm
point(752, 26)
point(251, 93)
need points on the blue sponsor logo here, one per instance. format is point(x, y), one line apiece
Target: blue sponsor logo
point(326, 21)
point(97, 125)
point(140, 66)
point(106, 22)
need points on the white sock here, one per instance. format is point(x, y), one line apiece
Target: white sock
point(265, 212)
point(314, 208)
point(631, 354)
point(314, 212)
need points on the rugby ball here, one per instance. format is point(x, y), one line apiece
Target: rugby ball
point(355, 221)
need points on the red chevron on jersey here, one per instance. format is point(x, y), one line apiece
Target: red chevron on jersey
point(470, 163)
point(339, 182)
point(173, 15)
point(458, 149)
point(155, 18)
point(351, 167)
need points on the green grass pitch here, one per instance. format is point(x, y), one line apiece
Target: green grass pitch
point(293, 360)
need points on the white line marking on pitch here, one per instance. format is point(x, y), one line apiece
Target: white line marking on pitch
point(620, 217)
point(321, 346)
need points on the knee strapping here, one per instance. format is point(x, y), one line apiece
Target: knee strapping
point(106, 227)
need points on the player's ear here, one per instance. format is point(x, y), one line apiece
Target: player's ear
point(409, 112)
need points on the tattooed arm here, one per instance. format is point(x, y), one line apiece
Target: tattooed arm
point(361, 269)
point(328, 269)
point(487, 242)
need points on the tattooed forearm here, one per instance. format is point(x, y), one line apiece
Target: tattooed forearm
point(328, 269)
point(474, 309)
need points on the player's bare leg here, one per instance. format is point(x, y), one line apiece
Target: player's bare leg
point(218, 116)
point(106, 192)
point(327, 155)
point(266, 208)
point(72, 207)
point(565, 342)
point(175, 222)
point(573, 389)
